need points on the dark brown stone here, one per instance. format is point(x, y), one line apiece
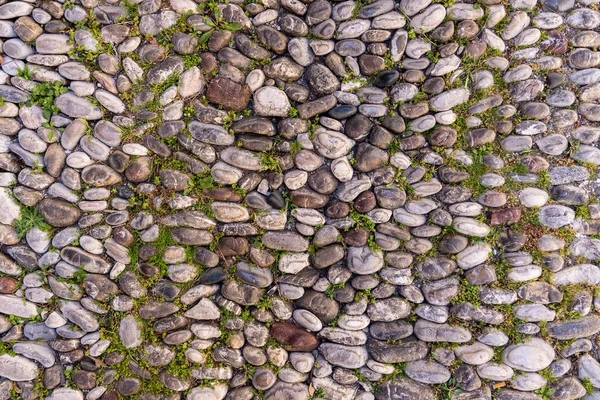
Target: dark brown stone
point(506, 216)
point(443, 137)
point(59, 213)
point(535, 164)
point(365, 202)
point(222, 194)
point(370, 64)
point(233, 246)
point(320, 304)
point(8, 285)
point(84, 380)
point(355, 237)
point(338, 210)
point(556, 43)
point(305, 197)
point(293, 338)
point(123, 236)
point(228, 94)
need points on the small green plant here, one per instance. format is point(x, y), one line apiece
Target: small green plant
point(44, 94)
point(433, 56)
point(362, 221)
point(394, 146)
point(238, 190)
point(330, 291)
point(188, 112)
point(69, 4)
point(270, 162)
point(264, 303)
point(389, 62)
point(447, 390)
point(24, 73)
point(37, 168)
point(30, 218)
point(358, 5)
point(445, 3)
point(544, 392)
point(364, 294)
point(295, 147)
point(216, 22)
point(319, 394)
point(191, 60)
point(200, 183)
point(214, 244)
point(587, 384)
point(254, 64)
point(372, 243)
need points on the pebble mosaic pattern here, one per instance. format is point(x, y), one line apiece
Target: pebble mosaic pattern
point(299, 199)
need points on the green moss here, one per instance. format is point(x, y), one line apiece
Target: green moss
point(547, 375)
point(295, 147)
point(582, 212)
point(200, 183)
point(511, 323)
point(564, 309)
point(587, 384)
point(372, 243)
point(467, 293)
point(191, 60)
point(544, 180)
point(358, 5)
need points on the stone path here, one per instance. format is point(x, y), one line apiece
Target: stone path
point(299, 199)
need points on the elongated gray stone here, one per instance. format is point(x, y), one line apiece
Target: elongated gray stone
point(17, 368)
point(13, 305)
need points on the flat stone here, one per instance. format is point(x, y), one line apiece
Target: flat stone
point(531, 356)
point(12, 305)
point(17, 368)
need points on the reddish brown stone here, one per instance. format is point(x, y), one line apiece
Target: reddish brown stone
point(222, 194)
point(208, 63)
point(84, 380)
point(506, 216)
point(370, 64)
point(8, 285)
point(365, 202)
point(355, 237)
point(233, 246)
point(308, 198)
point(476, 49)
point(123, 236)
point(338, 210)
point(535, 164)
point(443, 137)
point(228, 94)
point(293, 338)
